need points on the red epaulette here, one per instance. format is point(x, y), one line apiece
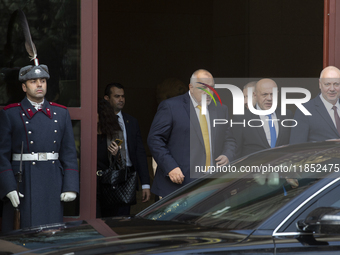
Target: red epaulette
point(59, 105)
point(11, 106)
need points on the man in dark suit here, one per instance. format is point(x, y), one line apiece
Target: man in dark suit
point(324, 122)
point(135, 152)
point(182, 138)
point(255, 137)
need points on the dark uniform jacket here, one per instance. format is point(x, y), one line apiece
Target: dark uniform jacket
point(47, 130)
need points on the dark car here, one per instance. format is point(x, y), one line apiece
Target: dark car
point(279, 201)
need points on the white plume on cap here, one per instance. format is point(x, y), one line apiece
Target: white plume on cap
point(29, 44)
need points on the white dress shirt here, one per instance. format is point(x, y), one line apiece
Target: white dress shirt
point(329, 109)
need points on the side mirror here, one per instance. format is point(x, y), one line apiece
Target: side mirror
point(322, 220)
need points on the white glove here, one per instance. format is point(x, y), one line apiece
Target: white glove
point(14, 198)
point(68, 196)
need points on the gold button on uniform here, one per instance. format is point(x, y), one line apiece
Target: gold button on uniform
point(33, 163)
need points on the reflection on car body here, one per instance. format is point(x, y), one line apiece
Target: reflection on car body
point(278, 212)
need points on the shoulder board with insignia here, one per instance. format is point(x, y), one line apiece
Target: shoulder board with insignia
point(11, 106)
point(59, 105)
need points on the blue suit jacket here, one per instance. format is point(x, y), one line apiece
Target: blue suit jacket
point(175, 140)
point(316, 127)
point(136, 148)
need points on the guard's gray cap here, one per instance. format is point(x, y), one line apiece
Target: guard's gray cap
point(33, 72)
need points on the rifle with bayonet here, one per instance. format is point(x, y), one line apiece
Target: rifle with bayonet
point(19, 180)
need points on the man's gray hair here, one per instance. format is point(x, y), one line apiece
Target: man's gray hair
point(250, 84)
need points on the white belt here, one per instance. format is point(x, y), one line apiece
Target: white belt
point(40, 156)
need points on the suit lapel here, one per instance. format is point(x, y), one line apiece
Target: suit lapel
point(186, 103)
point(260, 131)
point(321, 109)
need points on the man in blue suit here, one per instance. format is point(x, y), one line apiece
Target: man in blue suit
point(324, 123)
point(176, 141)
point(135, 152)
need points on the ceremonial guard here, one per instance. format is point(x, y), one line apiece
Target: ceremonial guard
point(38, 161)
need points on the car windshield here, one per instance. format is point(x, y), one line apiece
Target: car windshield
point(243, 200)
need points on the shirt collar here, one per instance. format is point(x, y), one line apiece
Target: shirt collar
point(37, 105)
point(120, 115)
point(327, 104)
point(258, 108)
point(193, 100)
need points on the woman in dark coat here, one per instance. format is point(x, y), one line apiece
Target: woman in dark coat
point(108, 130)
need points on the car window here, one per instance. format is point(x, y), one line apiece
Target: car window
point(328, 198)
point(242, 200)
point(228, 203)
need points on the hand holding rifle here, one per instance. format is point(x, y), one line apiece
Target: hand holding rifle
point(14, 197)
point(15, 194)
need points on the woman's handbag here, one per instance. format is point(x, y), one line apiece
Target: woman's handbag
point(118, 184)
point(116, 173)
point(122, 194)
